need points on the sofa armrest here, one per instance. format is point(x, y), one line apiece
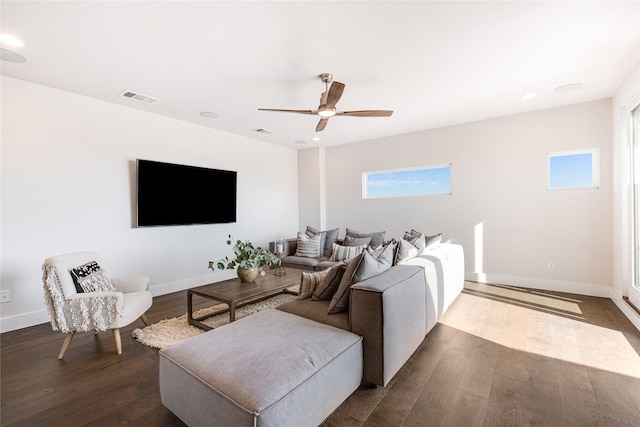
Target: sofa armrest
point(389, 312)
point(290, 247)
point(83, 312)
point(131, 283)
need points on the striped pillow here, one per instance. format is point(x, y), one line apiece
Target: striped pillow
point(308, 246)
point(328, 286)
point(309, 281)
point(344, 253)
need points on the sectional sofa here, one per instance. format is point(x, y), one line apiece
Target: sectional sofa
point(294, 365)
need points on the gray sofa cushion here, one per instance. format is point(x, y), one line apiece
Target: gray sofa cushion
point(268, 369)
point(318, 311)
point(357, 241)
point(323, 265)
point(377, 237)
point(302, 262)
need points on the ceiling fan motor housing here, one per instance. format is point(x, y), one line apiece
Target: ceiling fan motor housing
point(327, 107)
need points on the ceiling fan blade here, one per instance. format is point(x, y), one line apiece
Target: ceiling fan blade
point(366, 113)
point(322, 124)
point(289, 111)
point(335, 92)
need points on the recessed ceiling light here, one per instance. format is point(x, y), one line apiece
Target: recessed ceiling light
point(10, 40)
point(315, 139)
point(210, 114)
point(528, 96)
point(568, 88)
point(300, 141)
point(11, 56)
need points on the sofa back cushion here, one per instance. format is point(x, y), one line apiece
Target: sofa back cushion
point(377, 237)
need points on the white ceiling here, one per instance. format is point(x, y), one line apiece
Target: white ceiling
point(433, 63)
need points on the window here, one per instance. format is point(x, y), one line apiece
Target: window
point(407, 182)
point(573, 169)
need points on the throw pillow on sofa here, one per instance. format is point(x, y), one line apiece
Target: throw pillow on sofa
point(345, 253)
point(370, 263)
point(433, 241)
point(430, 241)
point(327, 238)
point(308, 246)
point(377, 237)
point(357, 241)
point(309, 281)
point(419, 241)
point(329, 284)
point(375, 261)
point(340, 299)
point(408, 249)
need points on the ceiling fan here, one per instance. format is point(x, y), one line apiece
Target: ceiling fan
point(328, 100)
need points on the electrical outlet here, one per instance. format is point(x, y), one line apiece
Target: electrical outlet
point(5, 296)
point(551, 265)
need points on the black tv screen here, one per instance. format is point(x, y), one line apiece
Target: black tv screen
point(170, 194)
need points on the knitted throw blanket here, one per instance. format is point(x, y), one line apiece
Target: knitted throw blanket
point(83, 312)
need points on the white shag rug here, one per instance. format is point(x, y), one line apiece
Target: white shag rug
point(167, 332)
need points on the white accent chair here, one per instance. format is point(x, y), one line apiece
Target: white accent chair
point(72, 312)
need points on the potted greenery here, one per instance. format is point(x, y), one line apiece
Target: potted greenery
point(249, 260)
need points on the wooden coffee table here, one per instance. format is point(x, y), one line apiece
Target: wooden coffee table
point(235, 293)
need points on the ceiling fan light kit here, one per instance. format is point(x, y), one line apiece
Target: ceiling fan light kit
point(328, 100)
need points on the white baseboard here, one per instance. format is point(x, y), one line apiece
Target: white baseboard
point(19, 321)
point(33, 318)
point(589, 289)
point(631, 314)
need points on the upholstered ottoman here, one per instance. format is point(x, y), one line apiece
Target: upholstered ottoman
point(268, 369)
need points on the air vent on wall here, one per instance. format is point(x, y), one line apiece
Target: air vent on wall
point(264, 131)
point(139, 97)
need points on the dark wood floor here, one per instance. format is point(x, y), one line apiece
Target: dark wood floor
point(499, 357)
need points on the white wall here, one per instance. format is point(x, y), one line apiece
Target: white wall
point(309, 210)
point(501, 212)
point(68, 184)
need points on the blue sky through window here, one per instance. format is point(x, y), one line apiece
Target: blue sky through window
point(571, 170)
point(409, 182)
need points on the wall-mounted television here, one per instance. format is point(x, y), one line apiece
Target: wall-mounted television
point(171, 194)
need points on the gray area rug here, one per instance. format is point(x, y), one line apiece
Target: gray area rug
point(167, 332)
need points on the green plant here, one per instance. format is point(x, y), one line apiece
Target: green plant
point(247, 257)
